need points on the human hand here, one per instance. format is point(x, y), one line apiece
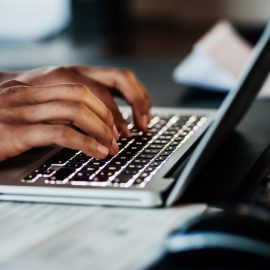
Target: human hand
point(68, 115)
point(103, 82)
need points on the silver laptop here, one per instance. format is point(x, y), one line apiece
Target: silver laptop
point(140, 174)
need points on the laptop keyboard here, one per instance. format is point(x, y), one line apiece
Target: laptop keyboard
point(137, 161)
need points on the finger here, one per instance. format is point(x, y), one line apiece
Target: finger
point(11, 83)
point(75, 113)
point(9, 86)
point(102, 92)
point(29, 136)
point(66, 92)
point(129, 86)
point(120, 122)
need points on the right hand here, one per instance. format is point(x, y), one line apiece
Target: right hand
point(68, 115)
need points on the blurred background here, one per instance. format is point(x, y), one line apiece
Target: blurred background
point(54, 32)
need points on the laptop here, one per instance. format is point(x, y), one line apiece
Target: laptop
point(140, 174)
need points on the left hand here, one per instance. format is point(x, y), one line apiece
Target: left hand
point(102, 82)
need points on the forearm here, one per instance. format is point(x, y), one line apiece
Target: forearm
point(6, 76)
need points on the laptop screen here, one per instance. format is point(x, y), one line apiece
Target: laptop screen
point(229, 114)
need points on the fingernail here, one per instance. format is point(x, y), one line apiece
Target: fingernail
point(115, 146)
point(103, 150)
point(145, 121)
point(115, 132)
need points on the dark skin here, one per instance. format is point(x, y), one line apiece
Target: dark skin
point(71, 107)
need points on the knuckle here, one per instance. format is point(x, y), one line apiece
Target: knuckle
point(109, 117)
point(82, 90)
point(126, 72)
point(107, 134)
point(10, 83)
point(61, 133)
point(28, 114)
point(76, 108)
point(89, 142)
point(137, 100)
point(59, 70)
point(12, 90)
point(91, 147)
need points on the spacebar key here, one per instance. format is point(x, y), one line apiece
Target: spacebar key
point(62, 174)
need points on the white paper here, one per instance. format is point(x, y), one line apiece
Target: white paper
point(74, 237)
point(217, 61)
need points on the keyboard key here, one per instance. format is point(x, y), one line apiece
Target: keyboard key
point(49, 172)
point(31, 177)
point(111, 168)
point(132, 149)
point(144, 175)
point(122, 158)
point(149, 134)
point(122, 178)
point(145, 156)
point(104, 175)
point(89, 169)
point(153, 131)
point(117, 163)
point(165, 137)
point(136, 166)
point(82, 176)
point(62, 174)
point(174, 143)
point(101, 178)
point(170, 148)
point(74, 165)
point(141, 161)
point(62, 157)
point(138, 181)
point(83, 155)
point(161, 142)
point(166, 153)
point(130, 171)
point(97, 163)
point(160, 158)
point(45, 165)
point(179, 139)
point(80, 159)
point(169, 133)
point(155, 146)
point(151, 151)
point(155, 163)
point(150, 169)
point(143, 139)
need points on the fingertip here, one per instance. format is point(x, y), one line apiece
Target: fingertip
point(115, 147)
point(145, 121)
point(102, 151)
point(115, 133)
point(124, 131)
